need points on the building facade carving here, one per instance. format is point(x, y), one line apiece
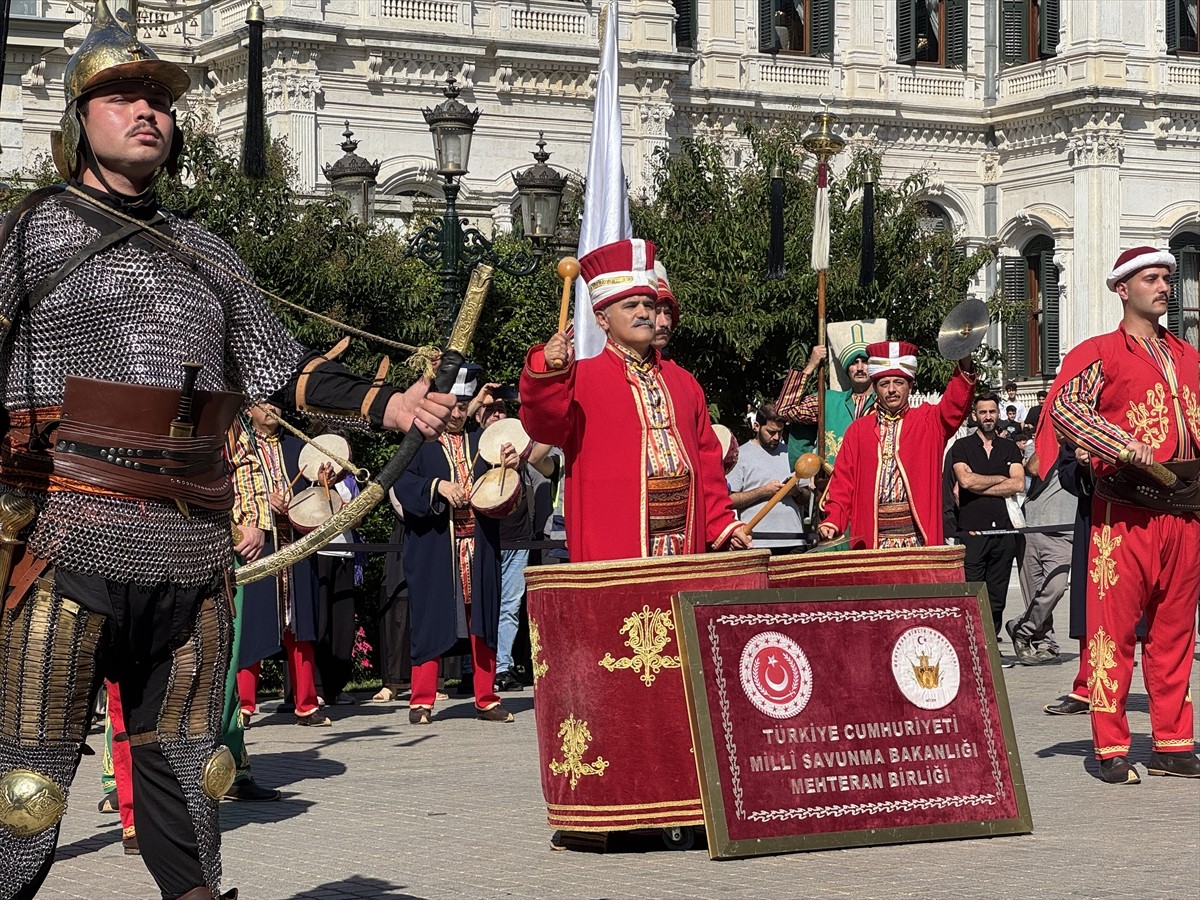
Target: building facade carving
point(1103, 131)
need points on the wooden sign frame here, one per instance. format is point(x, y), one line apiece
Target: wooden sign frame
point(708, 734)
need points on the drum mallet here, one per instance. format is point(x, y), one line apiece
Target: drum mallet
point(568, 271)
point(806, 467)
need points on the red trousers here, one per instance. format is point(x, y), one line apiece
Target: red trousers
point(425, 677)
point(121, 758)
point(301, 656)
point(1140, 562)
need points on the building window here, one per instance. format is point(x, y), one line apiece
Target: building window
point(1028, 30)
point(25, 7)
point(1182, 26)
point(1183, 309)
point(933, 218)
point(1030, 283)
point(685, 24)
point(802, 27)
point(932, 32)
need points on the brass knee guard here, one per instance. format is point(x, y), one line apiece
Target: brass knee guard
point(30, 802)
point(218, 773)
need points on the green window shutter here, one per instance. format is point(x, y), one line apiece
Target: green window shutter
point(1048, 26)
point(685, 24)
point(820, 29)
point(955, 12)
point(1175, 14)
point(768, 40)
point(906, 31)
point(1014, 32)
point(1014, 284)
point(1050, 318)
point(1174, 303)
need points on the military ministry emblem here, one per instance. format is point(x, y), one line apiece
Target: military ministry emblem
point(776, 675)
point(926, 668)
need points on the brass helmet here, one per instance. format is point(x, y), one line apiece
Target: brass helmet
point(111, 52)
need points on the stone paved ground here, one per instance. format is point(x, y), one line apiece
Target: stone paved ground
point(378, 808)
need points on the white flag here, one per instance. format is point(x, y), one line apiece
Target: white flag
point(605, 198)
point(820, 241)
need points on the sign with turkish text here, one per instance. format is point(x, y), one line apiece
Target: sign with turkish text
point(837, 717)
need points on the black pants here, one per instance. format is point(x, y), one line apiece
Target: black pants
point(135, 636)
point(990, 560)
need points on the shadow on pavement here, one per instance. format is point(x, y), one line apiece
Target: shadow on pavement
point(357, 886)
point(91, 844)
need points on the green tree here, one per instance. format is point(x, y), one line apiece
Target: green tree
point(740, 332)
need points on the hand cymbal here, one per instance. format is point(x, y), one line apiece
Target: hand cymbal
point(964, 329)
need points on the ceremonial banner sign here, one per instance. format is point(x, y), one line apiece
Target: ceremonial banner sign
point(837, 717)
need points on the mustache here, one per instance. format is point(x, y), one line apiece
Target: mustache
point(144, 128)
point(643, 323)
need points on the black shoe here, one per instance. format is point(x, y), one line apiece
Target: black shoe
point(495, 713)
point(1183, 764)
point(315, 719)
point(505, 682)
point(419, 715)
point(251, 792)
point(131, 845)
point(108, 803)
point(1068, 707)
point(1117, 770)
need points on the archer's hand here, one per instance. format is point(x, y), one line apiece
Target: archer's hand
point(827, 530)
point(250, 547)
point(559, 352)
point(418, 407)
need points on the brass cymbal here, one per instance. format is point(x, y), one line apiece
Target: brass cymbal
point(964, 329)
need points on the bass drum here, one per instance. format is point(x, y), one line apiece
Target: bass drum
point(313, 507)
point(496, 493)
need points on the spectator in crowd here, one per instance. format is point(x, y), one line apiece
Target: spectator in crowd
point(988, 469)
point(1009, 427)
point(1034, 414)
point(760, 471)
point(1010, 399)
point(1044, 563)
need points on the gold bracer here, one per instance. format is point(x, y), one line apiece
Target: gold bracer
point(30, 802)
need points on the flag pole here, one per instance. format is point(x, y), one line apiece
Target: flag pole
point(823, 144)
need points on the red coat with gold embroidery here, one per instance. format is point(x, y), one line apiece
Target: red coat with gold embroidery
point(589, 410)
point(853, 498)
point(1134, 397)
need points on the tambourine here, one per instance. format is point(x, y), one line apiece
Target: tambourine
point(311, 457)
point(502, 431)
point(497, 492)
point(313, 507)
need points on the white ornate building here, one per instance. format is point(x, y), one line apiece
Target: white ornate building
point(1065, 129)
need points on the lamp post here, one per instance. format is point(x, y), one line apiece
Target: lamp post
point(353, 178)
point(448, 244)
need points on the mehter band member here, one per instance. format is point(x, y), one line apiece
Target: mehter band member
point(118, 476)
point(644, 473)
point(1131, 399)
point(886, 484)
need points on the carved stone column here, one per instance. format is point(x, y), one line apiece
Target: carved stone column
point(1095, 153)
point(291, 85)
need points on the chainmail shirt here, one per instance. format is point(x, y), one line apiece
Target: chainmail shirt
point(134, 313)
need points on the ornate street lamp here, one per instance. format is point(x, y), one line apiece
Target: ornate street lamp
point(353, 178)
point(447, 243)
point(541, 189)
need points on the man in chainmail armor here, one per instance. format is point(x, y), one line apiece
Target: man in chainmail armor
point(114, 476)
